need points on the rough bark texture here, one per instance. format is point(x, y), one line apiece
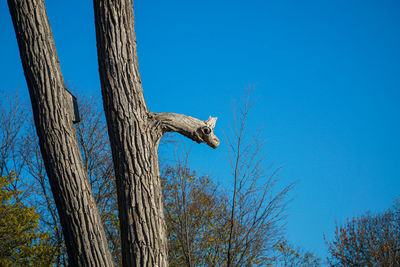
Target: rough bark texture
point(134, 134)
point(134, 149)
point(83, 231)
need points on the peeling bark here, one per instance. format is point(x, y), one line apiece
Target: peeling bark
point(82, 227)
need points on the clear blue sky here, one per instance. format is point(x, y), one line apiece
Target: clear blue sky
point(328, 84)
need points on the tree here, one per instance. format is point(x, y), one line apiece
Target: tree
point(134, 134)
point(368, 240)
point(83, 231)
point(12, 120)
point(96, 156)
point(196, 213)
point(287, 255)
point(21, 244)
point(258, 201)
point(207, 228)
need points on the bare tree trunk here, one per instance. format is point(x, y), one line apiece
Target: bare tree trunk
point(134, 134)
point(82, 227)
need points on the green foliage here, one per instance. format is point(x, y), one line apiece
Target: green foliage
point(21, 244)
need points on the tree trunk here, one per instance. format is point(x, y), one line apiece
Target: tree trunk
point(82, 227)
point(134, 134)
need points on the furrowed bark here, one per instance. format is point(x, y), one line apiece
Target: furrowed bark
point(134, 134)
point(82, 227)
point(134, 146)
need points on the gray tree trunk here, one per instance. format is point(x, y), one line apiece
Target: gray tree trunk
point(134, 133)
point(82, 227)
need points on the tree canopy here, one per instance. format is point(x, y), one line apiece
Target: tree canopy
point(368, 240)
point(195, 214)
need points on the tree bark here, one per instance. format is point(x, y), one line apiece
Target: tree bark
point(134, 134)
point(82, 227)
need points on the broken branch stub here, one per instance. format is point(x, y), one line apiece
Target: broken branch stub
point(195, 129)
point(207, 131)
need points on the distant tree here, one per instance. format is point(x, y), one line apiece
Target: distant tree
point(195, 214)
point(368, 240)
point(258, 201)
point(21, 242)
point(208, 228)
point(13, 115)
point(286, 254)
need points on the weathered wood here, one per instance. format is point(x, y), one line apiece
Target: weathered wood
point(82, 227)
point(134, 134)
point(195, 129)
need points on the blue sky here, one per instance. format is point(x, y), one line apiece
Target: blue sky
point(327, 82)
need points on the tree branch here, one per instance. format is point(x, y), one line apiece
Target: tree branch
point(195, 129)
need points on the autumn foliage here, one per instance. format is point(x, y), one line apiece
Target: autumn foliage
point(368, 240)
point(195, 212)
